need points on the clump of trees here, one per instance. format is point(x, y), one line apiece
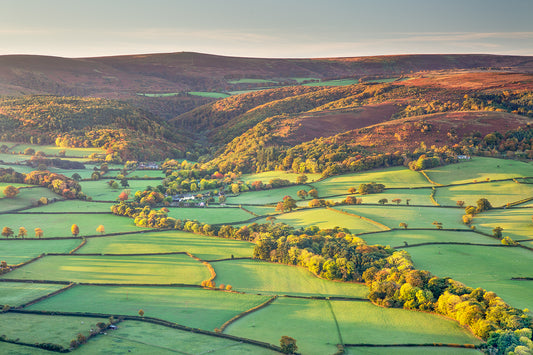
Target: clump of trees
point(58, 183)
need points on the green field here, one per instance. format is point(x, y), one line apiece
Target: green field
point(492, 191)
point(415, 217)
point(398, 350)
point(480, 168)
point(398, 237)
point(13, 158)
point(477, 266)
point(17, 293)
point(5, 184)
point(415, 196)
point(308, 321)
point(14, 349)
point(54, 150)
point(339, 82)
point(362, 322)
point(324, 219)
point(18, 251)
point(58, 225)
point(77, 206)
point(145, 174)
point(151, 269)
point(213, 95)
point(269, 175)
point(99, 190)
point(193, 307)
point(146, 338)
point(516, 222)
point(391, 177)
point(206, 248)
point(253, 276)
point(32, 328)
point(265, 196)
point(213, 215)
point(25, 198)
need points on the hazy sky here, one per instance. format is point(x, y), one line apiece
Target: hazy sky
point(266, 28)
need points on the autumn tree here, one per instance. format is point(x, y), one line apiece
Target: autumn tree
point(301, 179)
point(403, 225)
point(22, 232)
point(75, 230)
point(302, 194)
point(7, 232)
point(460, 203)
point(313, 193)
point(141, 312)
point(100, 229)
point(497, 232)
point(397, 201)
point(123, 196)
point(289, 203)
point(288, 345)
point(483, 205)
point(383, 201)
point(11, 191)
point(271, 219)
point(352, 190)
point(38, 232)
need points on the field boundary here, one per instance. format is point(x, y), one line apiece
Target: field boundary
point(249, 311)
point(376, 223)
point(410, 345)
point(44, 297)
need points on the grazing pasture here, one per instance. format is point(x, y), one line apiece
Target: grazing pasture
point(26, 198)
point(192, 307)
point(211, 215)
point(206, 248)
point(266, 176)
point(151, 269)
point(100, 190)
point(18, 293)
point(480, 266)
point(77, 206)
point(265, 196)
point(253, 276)
point(18, 251)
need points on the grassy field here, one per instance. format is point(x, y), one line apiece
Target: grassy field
point(365, 350)
point(25, 198)
point(468, 264)
point(17, 293)
point(193, 307)
point(492, 191)
point(362, 322)
point(146, 174)
point(308, 321)
point(207, 248)
point(391, 177)
point(398, 237)
point(324, 218)
point(13, 158)
point(255, 276)
point(212, 215)
point(73, 205)
point(415, 217)
point(213, 95)
point(516, 223)
point(100, 190)
point(261, 210)
point(480, 168)
point(18, 251)
point(269, 175)
point(416, 197)
point(3, 185)
point(265, 196)
point(145, 338)
point(32, 328)
point(152, 269)
point(339, 82)
point(14, 349)
point(54, 150)
point(58, 225)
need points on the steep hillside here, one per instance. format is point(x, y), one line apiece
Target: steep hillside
point(89, 122)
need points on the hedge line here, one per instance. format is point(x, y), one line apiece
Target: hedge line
point(42, 298)
point(361, 217)
point(410, 345)
point(242, 314)
point(83, 242)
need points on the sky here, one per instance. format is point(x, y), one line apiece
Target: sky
point(265, 28)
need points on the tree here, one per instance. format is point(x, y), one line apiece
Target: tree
point(235, 188)
point(383, 201)
point(222, 199)
point(483, 205)
point(124, 182)
point(497, 232)
point(123, 196)
point(76, 177)
point(407, 201)
point(403, 225)
point(397, 200)
point(314, 203)
point(352, 190)
point(460, 203)
point(95, 175)
point(7, 232)
point(437, 224)
point(22, 232)
point(288, 345)
point(38, 232)
point(11, 191)
point(271, 219)
point(350, 200)
point(29, 151)
point(75, 230)
point(313, 193)
point(289, 203)
point(302, 194)
point(471, 210)
point(100, 229)
point(301, 179)
point(141, 312)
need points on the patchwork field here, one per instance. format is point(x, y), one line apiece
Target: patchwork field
point(26, 198)
point(18, 251)
point(254, 276)
point(152, 269)
point(17, 293)
point(206, 248)
point(213, 215)
point(101, 191)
